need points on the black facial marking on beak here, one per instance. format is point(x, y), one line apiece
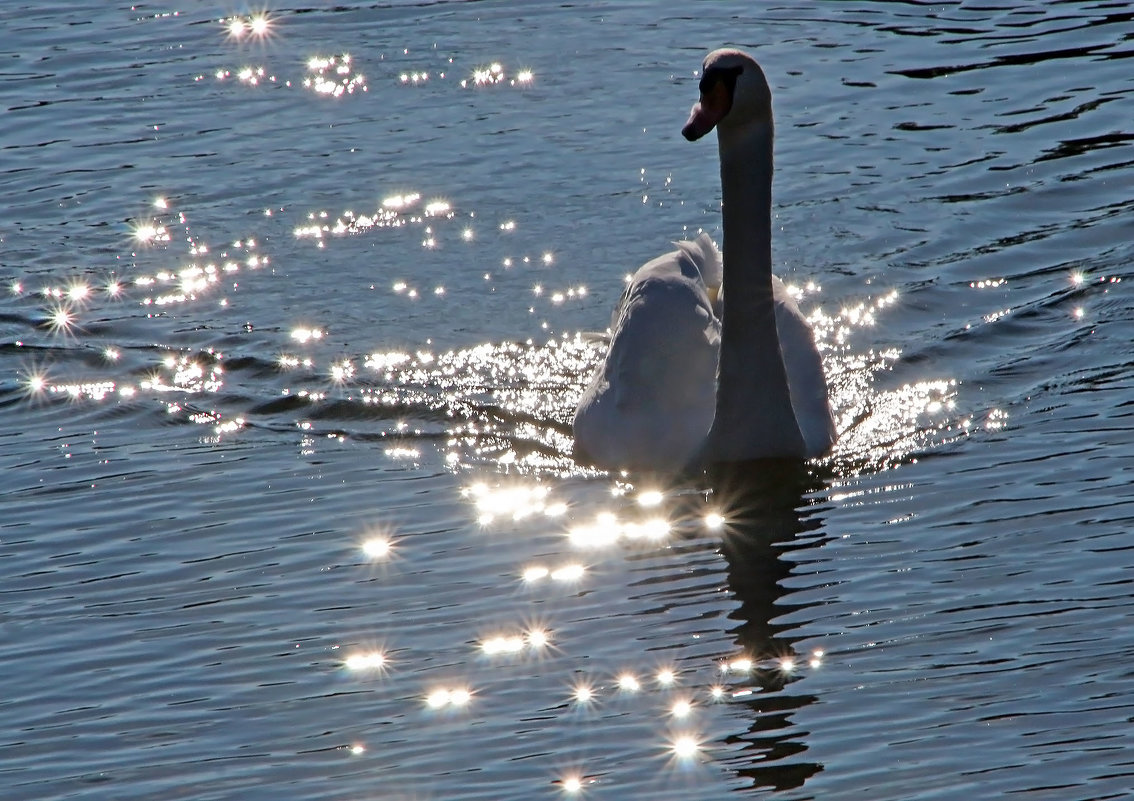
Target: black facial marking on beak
point(717, 75)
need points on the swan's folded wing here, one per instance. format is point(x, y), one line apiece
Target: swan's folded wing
point(651, 402)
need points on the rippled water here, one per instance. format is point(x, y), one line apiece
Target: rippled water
point(294, 321)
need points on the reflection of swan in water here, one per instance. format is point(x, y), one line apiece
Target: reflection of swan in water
point(763, 500)
point(693, 377)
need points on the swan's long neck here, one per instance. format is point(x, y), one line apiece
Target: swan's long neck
point(754, 417)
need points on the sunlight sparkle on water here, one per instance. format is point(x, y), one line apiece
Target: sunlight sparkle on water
point(685, 747)
point(333, 76)
point(257, 25)
point(572, 785)
point(681, 708)
point(568, 573)
point(342, 372)
point(535, 573)
point(147, 233)
point(373, 660)
point(537, 638)
point(377, 547)
point(60, 319)
point(650, 498)
point(514, 501)
point(582, 693)
point(304, 335)
point(36, 383)
point(654, 529)
point(603, 532)
point(458, 697)
point(511, 644)
point(401, 201)
point(628, 682)
point(78, 291)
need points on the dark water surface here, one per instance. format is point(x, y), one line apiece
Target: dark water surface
point(293, 323)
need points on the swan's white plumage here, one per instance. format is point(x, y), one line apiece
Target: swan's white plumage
point(650, 403)
point(666, 397)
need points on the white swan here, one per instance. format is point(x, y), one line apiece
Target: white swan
point(706, 366)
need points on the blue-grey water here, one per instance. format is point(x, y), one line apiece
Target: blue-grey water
point(293, 316)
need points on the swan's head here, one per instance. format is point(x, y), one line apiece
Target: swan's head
point(734, 92)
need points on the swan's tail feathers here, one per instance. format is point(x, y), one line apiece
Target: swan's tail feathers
point(706, 257)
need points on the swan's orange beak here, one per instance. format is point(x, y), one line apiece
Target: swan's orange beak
point(710, 109)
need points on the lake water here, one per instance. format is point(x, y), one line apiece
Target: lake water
point(293, 321)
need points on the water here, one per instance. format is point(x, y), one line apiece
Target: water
point(257, 327)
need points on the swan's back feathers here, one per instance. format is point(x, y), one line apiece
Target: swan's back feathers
point(703, 255)
point(650, 404)
point(702, 252)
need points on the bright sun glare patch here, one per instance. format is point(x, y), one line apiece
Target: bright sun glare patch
point(535, 573)
point(60, 319)
point(628, 682)
point(372, 660)
point(512, 644)
point(681, 708)
point(685, 747)
point(572, 572)
point(457, 698)
point(256, 25)
point(305, 335)
point(148, 233)
point(650, 498)
point(333, 76)
point(535, 638)
point(36, 382)
point(583, 693)
point(742, 665)
point(572, 785)
point(513, 501)
point(377, 547)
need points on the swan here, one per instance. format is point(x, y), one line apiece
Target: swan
point(710, 359)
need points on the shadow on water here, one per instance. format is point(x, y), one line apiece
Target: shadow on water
point(766, 514)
